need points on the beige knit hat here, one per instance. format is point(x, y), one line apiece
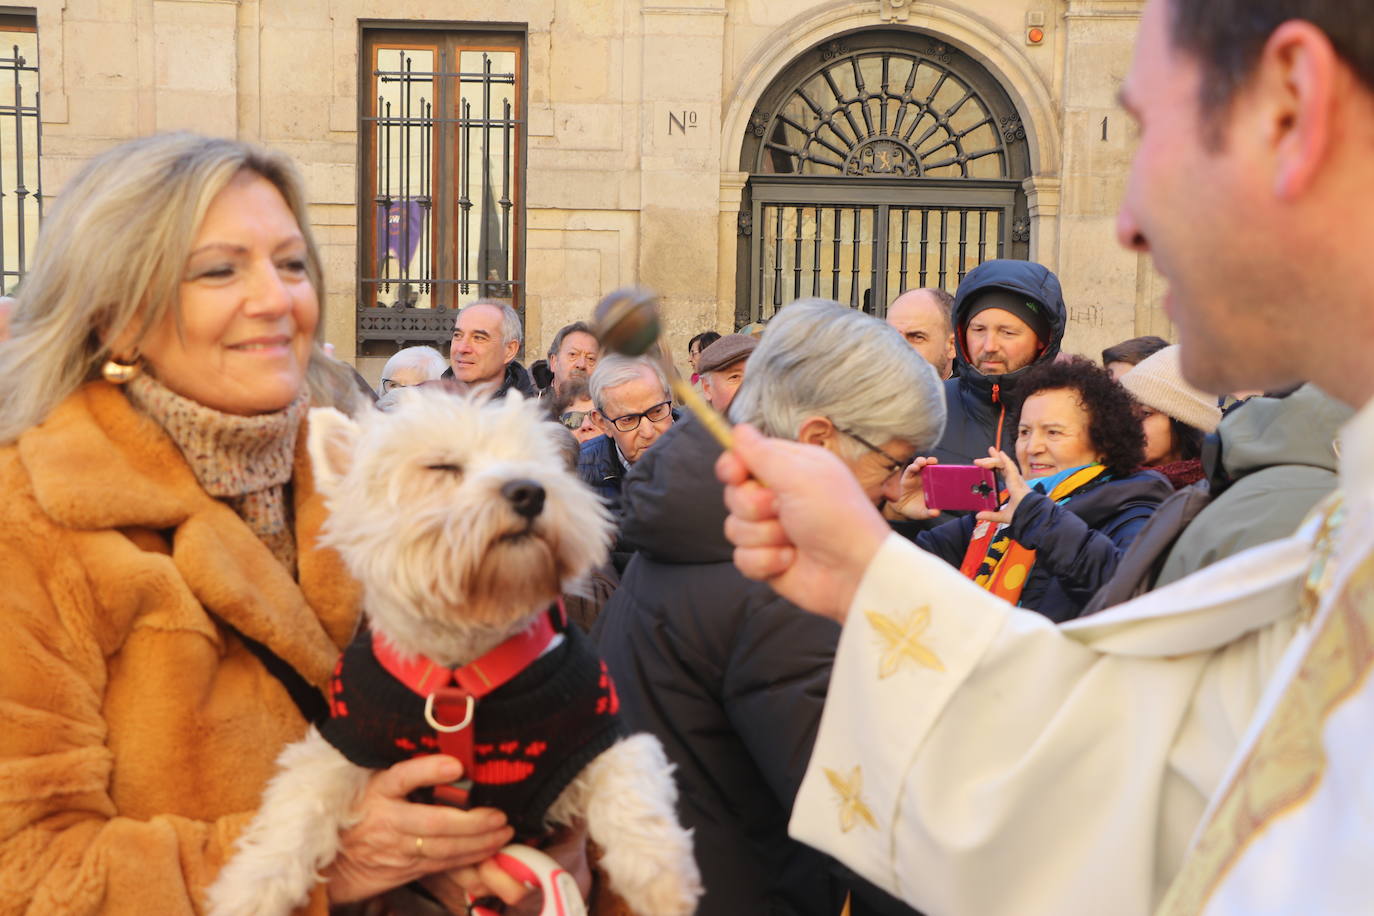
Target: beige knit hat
point(1157, 382)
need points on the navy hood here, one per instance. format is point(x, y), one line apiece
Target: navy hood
point(1024, 278)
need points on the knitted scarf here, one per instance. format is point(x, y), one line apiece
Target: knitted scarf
point(1182, 473)
point(244, 461)
point(1001, 565)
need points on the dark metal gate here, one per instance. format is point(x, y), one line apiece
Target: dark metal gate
point(880, 161)
point(853, 245)
point(443, 151)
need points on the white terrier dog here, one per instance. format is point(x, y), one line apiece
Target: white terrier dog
point(463, 524)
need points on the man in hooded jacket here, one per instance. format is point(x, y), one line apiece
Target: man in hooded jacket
point(1008, 316)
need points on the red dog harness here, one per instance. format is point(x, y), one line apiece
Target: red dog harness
point(524, 719)
point(449, 710)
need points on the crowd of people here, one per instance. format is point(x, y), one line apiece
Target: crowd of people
point(876, 696)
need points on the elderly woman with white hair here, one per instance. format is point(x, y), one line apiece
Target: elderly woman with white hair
point(407, 368)
point(169, 619)
point(728, 675)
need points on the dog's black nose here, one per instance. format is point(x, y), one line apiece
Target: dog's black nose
point(526, 497)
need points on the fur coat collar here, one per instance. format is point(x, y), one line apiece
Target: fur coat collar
point(96, 463)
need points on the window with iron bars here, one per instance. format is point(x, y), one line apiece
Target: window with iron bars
point(21, 147)
point(441, 224)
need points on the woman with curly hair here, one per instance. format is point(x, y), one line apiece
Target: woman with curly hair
point(1074, 499)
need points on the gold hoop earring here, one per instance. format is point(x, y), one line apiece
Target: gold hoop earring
point(117, 373)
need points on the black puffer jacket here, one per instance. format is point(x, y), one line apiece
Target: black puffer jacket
point(976, 403)
point(516, 378)
point(730, 677)
point(1077, 545)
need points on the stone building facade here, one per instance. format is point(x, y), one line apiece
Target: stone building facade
point(727, 153)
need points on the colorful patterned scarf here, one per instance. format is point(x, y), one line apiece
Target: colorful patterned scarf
point(999, 564)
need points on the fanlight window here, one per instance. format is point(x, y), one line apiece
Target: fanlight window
point(886, 113)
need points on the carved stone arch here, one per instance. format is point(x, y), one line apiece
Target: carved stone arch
point(802, 227)
point(886, 102)
point(942, 19)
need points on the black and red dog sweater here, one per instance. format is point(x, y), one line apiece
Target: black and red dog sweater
point(533, 734)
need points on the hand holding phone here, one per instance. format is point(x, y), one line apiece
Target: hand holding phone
point(964, 487)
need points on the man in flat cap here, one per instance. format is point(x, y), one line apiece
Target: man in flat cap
point(721, 366)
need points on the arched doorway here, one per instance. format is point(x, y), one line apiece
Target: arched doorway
point(879, 161)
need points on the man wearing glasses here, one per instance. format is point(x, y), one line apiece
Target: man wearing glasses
point(633, 408)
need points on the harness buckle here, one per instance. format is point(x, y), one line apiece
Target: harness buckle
point(448, 729)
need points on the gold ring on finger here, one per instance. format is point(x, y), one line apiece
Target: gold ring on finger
point(419, 847)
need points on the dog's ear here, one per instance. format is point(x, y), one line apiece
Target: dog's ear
point(332, 438)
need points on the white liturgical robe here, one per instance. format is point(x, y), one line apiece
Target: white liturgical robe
point(973, 758)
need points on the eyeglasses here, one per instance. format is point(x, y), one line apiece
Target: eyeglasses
point(390, 384)
point(894, 467)
point(630, 422)
point(573, 419)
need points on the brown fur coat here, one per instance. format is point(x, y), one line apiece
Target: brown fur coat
point(136, 731)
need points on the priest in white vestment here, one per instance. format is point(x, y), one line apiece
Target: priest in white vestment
point(1208, 748)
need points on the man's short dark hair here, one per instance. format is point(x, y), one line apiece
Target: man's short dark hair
point(702, 341)
point(946, 304)
point(1134, 350)
point(1227, 36)
point(563, 332)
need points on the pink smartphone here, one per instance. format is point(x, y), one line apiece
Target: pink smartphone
point(959, 486)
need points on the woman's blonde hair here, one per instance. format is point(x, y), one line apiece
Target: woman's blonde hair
point(110, 260)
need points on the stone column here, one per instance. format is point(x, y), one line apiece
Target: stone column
point(731, 194)
point(1042, 200)
point(1111, 292)
point(679, 248)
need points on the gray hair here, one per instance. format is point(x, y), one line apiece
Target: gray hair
point(616, 370)
point(110, 259)
point(510, 319)
point(427, 359)
point(819, 358)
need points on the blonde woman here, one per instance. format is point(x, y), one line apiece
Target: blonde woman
point(168, 620)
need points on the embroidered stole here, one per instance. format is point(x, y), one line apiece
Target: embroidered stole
point(999, 564)
point(1286, 762)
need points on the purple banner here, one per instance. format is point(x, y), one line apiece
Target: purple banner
point(399, 227)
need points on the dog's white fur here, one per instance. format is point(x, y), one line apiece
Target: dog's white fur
point(449, 570)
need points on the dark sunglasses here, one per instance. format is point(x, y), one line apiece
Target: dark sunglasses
point(573, 419)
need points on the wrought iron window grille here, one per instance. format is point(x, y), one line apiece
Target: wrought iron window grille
point(21, 150)
point(443, 150)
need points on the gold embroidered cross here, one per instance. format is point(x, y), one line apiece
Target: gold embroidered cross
point(852, 807)
point(902, 642)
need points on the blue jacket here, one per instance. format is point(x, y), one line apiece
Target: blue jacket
point(600, 467)
point(974, 402)
point(1077, 545)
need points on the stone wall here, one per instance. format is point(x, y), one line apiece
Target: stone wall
point(636, 115)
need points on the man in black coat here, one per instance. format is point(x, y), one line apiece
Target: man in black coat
point(727, 675)
point(1008, 316)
